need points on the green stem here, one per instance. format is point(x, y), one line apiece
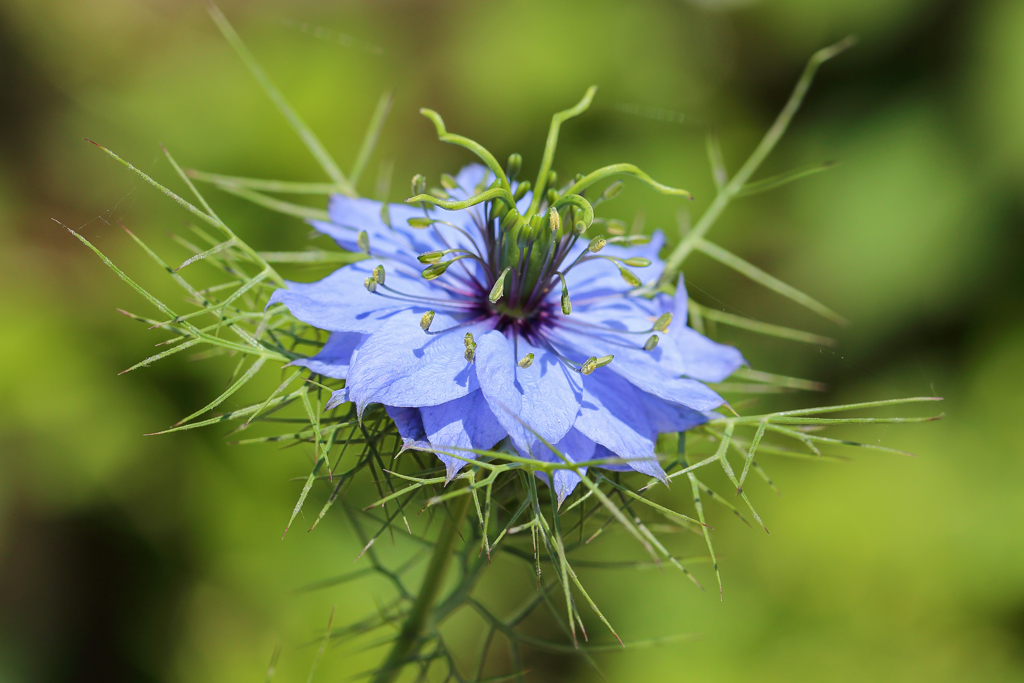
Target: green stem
point(408, 642)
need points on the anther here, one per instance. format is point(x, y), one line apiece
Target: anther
point(651, 342)
point(552, 196)
point(378, 274)
point(439, 193)
point(566, 302)
point(448, 182)
point(554, 220)
point(425, 321)
point(499, 287)
point(526, 361)
point(436, 270)
point(470, 347)
point(363, 241)
point(430, 256)
point(370, 284)
point(596, 244)
point(420, 222)
point(662, 323)
point(627, 275)
point(637, 262)
point(589, 366)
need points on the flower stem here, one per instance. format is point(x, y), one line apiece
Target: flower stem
point(408, 643)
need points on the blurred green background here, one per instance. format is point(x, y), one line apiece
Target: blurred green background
point(131, 558)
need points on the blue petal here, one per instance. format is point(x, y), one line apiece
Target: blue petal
point(544, 397)
point(576, 448)
point(410, 428)
point(704, 359)
point(341, 303)
point(459, 425)
point(613, 415)
point(350, 216)
point(401, 365)
point(333, 359)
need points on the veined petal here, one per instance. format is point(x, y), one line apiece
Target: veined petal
point(341, 303)
point(401, 365)
point(613, 415)
point(576, 447)
point(704, 359)
point(410, 428)
point(545, 396)
point(333, 359)
point(459, 425)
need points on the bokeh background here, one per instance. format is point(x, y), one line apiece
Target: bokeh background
point(131, 558)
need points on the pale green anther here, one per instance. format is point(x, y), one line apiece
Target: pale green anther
point(637, 262)
point(448, 182)
point(470, 347)
point(589, 366)
point(430, 256)
point(554, 220)
point(629, 276)
point(419, 184)
point(521, 190)
point(552, 196)
point(425, 321)
point(566, 302)
point(370, 284)
point(552, 178)
point(651, 342)
point(514, 165)
point(378, 274)
point(420, 222)
point(596, 244)
point(581, 227)
point(630, 239)
point(439, 193)
point(385, 214)
point(612, 190)
point(435, 270)
point(363, 240)
point(499, 287)
point(535, 221)
point(526, 361)
point(603, 360)
point(662, 323)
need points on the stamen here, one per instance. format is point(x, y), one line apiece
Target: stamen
point(470, 353)
point(499, 287)
point(370, 284)
point(593, 363)
point(526, 361)
point(448, 182)
point(419, 184)
point(425, 321)
point(651, 342)
point(596, 244)
point(378, 274)
point(566, 302)
point(629, 276)
point(514, 165)
point(363, 241)
point(662, 323)
point(637, 261)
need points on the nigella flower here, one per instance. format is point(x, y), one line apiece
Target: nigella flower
point(501, 315)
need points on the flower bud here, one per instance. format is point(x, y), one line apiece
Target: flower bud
point(378, 274)
point(419, 184)
point(363, 241)
point(514, 165)
point(425, 321)
point(651, 342)
point(526, 361)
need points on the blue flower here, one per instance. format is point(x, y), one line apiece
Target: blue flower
point(484, 322)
